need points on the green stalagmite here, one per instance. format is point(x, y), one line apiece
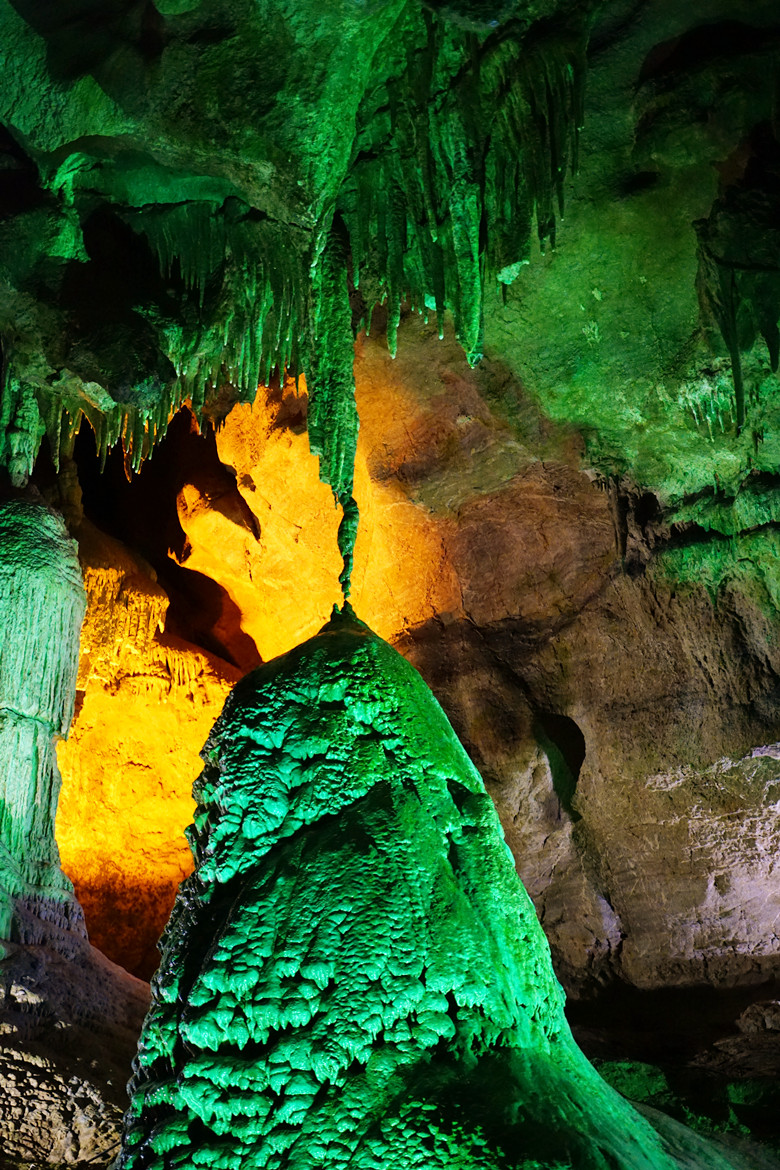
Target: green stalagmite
point(354, 975)
point(41, 609)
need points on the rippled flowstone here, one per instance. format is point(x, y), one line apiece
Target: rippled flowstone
point(354, 976)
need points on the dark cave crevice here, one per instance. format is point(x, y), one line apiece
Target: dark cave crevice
point(104, 299)
point(84, 38)
point(688, 533)
point(564, 745)
point(703, 45)
point(20, 189)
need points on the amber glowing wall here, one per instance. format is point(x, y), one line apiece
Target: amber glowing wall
point(147, 700)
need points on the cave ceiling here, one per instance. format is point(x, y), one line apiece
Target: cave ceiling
point(197, 195)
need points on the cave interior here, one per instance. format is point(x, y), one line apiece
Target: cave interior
point(444, 335)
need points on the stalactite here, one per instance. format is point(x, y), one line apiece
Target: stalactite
point(738, 276)
point(445, 185)
point(464, 139)
point(247, 274)
point(332, 418)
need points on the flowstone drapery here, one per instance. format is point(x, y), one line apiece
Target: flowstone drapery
point(41, 609)
point(354, 975)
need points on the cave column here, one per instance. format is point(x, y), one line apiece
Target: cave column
point(41, 609)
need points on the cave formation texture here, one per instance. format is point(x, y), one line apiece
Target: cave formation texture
point(532, 247)
point(354, 975)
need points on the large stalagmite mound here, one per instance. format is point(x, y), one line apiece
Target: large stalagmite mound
point(354, 975)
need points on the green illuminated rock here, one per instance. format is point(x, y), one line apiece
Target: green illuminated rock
point(354, 975)
point(41, 609)
point(192, 187)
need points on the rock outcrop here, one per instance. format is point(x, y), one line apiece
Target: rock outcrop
point(69, 1029)
point(147, 700)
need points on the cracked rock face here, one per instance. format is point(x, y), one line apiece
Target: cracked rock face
point(48, 1117)
point(668, 857)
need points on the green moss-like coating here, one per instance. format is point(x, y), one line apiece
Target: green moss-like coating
point(354, 976)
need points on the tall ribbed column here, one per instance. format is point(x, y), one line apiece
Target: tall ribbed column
point(41, 610)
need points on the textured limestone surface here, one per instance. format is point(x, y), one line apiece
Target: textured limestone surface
point(147, 701)
point(577, 687)
point(626, 753)
point(168, 240)
point(69, 1028)
point(354, 974)
point(284, 580)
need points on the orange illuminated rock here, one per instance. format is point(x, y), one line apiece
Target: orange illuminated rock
point(146, 704)
point(283, 576)
point(149, 699)
point(282, 571)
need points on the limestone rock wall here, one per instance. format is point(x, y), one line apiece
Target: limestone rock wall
point(147, 701)
point(656, 861)
point(576, 542)
point(69, 1029)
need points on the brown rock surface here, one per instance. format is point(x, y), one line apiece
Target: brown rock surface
point(666, 853)
point(69, 1031)
point(535, 551)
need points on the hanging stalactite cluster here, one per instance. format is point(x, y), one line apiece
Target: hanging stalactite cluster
point(247, 313)
point(462, 135)
point(739, 261)
point(470, 143)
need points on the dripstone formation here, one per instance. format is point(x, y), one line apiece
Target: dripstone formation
point(354, 975)
point(68, 1015)
point(570, 497)
point(41, 609)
